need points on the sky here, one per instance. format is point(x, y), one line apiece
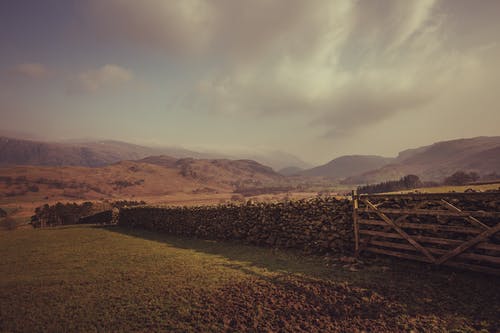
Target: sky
point(317, 79)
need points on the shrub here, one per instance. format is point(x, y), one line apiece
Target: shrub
point(461, 178)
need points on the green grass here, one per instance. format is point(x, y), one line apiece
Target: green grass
point(86, 279)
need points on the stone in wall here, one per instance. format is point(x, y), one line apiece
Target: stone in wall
point(319, 225)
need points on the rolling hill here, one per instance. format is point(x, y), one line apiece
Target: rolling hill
point(439, 160)
point(220, 172)
point(152, 176)
point(346, 166)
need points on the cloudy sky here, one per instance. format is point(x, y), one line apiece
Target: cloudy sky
point(314, 78)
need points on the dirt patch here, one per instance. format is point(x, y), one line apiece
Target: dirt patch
point(304, 305)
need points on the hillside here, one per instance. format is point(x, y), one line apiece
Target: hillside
point(217, 172)
point(152, 176)
point(278, 160)
point(346, 166)
point(436, 161)
point(27, 152)
point(75, 153)
point(290, 171)
point(92, 153)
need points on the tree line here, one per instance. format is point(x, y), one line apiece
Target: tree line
point(407, 182)
point(410, 182)
point(71, 213)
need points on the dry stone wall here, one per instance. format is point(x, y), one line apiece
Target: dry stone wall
point(319, 225)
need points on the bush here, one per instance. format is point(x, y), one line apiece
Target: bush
point(461, 178)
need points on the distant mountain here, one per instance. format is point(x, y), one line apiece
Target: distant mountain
point(87, 153)
point(276, 159)
point(439, 160)
point(93, 153)
point(290, 171)
point(112, 146)
point(90, 154)
point(346, 166)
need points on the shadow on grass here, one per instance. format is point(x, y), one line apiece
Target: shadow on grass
point(422, 288)
point(240, 254)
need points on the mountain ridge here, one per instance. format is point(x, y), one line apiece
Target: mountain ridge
point(93, 153)
point(347, 165)
point(438, 160)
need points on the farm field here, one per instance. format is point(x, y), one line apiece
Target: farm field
point(88, 278)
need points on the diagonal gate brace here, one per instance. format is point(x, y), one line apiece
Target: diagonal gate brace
point(468, 244)
point(400, 231)
point(458, 210)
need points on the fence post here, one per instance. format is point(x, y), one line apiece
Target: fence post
point(355, 221)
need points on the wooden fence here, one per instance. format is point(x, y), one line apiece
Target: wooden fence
point(453, 229)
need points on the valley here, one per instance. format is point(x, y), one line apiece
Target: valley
point(35, 173)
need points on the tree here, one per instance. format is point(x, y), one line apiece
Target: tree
point(461, 178)
point(407, 182)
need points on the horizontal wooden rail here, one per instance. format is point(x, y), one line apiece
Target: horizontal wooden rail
point(423, 226)
point(471, 256)
point(427, 239)
point(430, 212)
point(460, 265)
point(469, 244)
point(433, 196)
point(403, 233)
point(383, 224)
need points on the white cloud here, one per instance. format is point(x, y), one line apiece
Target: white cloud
point(346, 64)
point(107, 76)
point(31, 70)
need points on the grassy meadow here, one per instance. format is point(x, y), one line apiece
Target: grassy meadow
point(96, 279)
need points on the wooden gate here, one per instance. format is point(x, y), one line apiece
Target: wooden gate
point(453, 229)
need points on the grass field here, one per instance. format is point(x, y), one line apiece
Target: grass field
point(449, 188)
point(89, 279)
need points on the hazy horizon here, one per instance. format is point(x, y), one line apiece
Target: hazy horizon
point(226, 152)
point(316, 79)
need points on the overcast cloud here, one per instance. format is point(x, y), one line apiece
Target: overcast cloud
point(338, 68)
point(348, 64)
